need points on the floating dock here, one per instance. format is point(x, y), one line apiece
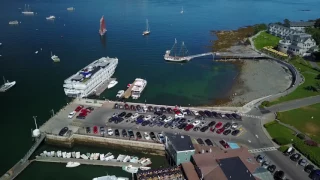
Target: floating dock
point(127, 93)
point(85, 161)
point(103, 86)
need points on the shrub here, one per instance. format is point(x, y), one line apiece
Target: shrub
point(301, 136)
point(310, 143)
point(282, 140)
point(283, 148)
point(312, 153)
point(265, 103)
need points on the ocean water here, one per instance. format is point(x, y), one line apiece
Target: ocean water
point(74, 37)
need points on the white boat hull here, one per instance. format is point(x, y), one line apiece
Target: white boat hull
point(72, 164)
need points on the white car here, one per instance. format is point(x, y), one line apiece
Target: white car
point(115, 114)
point(234, 126)
point(195, 112)
point(146, 136)
point(161, 138)
point(134, 116)
point(147, 118)
point(110, 132)
point(169, 118)
point(70, 116)
point(145, 108)
point(179, 116)
point(196, 123)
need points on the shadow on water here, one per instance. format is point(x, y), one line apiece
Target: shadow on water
point(103, 40)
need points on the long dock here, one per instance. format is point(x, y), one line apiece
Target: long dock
point(24, 162)
point(103, 86)
point(85, 161)
point(127, 93)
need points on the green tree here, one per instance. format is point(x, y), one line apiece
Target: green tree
point(286, 23)
point(318, 76)
point(317, 23)
point(259, 27)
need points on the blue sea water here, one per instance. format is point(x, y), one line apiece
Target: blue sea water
point(74, 37)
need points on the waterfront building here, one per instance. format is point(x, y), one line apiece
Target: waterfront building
point(215, 163)
point(300, 26)
point(280, 31)
point(179, 148)
point(298, 44)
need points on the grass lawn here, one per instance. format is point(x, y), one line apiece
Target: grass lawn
point(302, 120)
point(309, 75)
point(265, 39)
point(276, 130)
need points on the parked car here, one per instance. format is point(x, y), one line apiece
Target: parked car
point(78, 108)
point(122, 114)
point(132, 107)
point(229, 116)
point(102, 130)
point(272, 168)
point(196, 128)
point(309, 168)
point(71, 114)
point(138, 107)
point(236, 116)
point(260, 158)
point(208, 113)
point(116, 132)
point(147, 118)
point(200, 117)
point(146, 136)
point(235, 132)
point(168, 119)
point(128, 115)
point(158, 113)
point(218, 125)
point(295, 157)
point(204, 128)
point(126, 106)
point(88, 130)
point(234, 126)
point(265, 164)
point(150, 108)
point(138, 135)
point(182, 125)
point(200, 141)
point(279, 175)
point(161, 138)
point(219, 131)
point(169, 110)
point(208, 142)
point(95, 129)
point(226, 132)
point(195, 112)
point(130, 133)
point(303, 162)
point(144, 123)
point(289, 151)
point(196, 123)
point(89, 109)
point(153, 137)
point(163, 117)
point(224, 144)
point(139, 121)
point(124, 133)
point(201, 113)
point(212, 123)
point(188, 127)
point(116, 106)
point(134, 116)
point(63, 131)
point(227, 125)
point(163, 109)
point(110, 132)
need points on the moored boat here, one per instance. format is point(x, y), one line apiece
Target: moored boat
point(147, 31)
point(134, 159)
point(69, 155)
point(109, 158)
point(138, 86)
point(83, 156)
point(126, 159)
point(145, 162)
point(7, 85)
point(64, 154)
point(102, 29)
point(27, 11)
point(101, 157)
point(112, 84)
point(120, 93)
point(113, 177)
point(13, 22)
point(53, 154)
point(55, 58)
point(58, 153)
point(77, 155)
point(71, 8)
point(50, 18)
point(72, 164)
point(73, 154)
point(130, 169)
point(144, 168)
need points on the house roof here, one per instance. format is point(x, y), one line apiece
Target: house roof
point(302, 24)
point(180, 142)
point(234, 168)
point(190, 171)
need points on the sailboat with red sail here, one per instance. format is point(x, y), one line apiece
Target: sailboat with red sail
point(102, 29)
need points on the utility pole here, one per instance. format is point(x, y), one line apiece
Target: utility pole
point(35, 121)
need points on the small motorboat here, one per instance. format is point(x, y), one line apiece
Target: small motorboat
point(64, 155)
point(77, 155)
point(120, 93)
point(58, 153)
point(101, 157)
point(69, 155)
point(71, 8)
point(50, 18)
point(130, 169)
point(112, 84)
point(83, 156)
point(73, 154)
point(134, 159)
point(36, 52)
point(72, 164)
point(145, 162)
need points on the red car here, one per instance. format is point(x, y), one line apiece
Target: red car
point(78, 108)
point(84, 114)
point(95, 129)
point(219, 131)
point(84, 111)
point(224, 144)
point(188, 127)
point(126, 106)
point(218, 125)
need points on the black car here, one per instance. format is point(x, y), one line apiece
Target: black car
point(229, 116)
point(140, 117)
point(131, 134)
point(163, 109)
point(208, 142)
point(169, 110)
point(214, 114)
point(236, 116)
point(272, 168)
point(196, 128)
point(166, 125)
point(138, 107)
point(212, 123)
point(159, 113)
point(182, 125)
point(116, 106)
point(163, 117)
point(150, 108)
point(122, 114)
point(111, 119)
point(200, 118)
point(235, 132)
point(132, 107)
point(227, 125)
point(128, 115)
point(80, 117)
point(116, 132)
point(201, 113)
point(155, 109)
point(88, 130)
point(144, 123)
point(90, 108)
point(138, 135)
point(309, 168)
point(295, 157)
point(124, 133)
point(63, 131)
point(153, 136)
point(182, 120)
point(279, 175)
point(204, 128)
point(188, 112)
point(200, 141)
point(226, 132)
point(219, 115)
point(208, 113)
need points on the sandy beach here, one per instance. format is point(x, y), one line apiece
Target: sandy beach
point(258, 78)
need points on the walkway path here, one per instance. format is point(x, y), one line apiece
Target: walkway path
point(294, 104)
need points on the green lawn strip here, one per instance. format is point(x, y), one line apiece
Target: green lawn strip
point(309, 76)
point(277, 131)
point(305, 119)
point(265, 39)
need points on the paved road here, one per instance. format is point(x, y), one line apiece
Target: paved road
point(294, 104)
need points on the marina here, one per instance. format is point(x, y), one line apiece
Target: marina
point(135, 89)
point(105, 85)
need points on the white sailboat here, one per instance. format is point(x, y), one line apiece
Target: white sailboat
point(126, 159)
point(77, 155)
point(73, 154)
point(83, 156)
point(181, 10)
point(71, 8)
point(50, 18)
point(72, 164)
point(64, 155)
point(27, 11)
point(13, 22)
point(55, 58)
point(53, 153)
point(147, 31)
point(101, 157)
point(58, 153)
point(69, 155)
point(7, 85)
point(112, 84)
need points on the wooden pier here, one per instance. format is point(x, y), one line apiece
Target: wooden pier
point(85, 161)
point(103, 86)
point(127, 93)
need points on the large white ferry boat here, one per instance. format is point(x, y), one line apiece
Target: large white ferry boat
point(88, 79)
point(138, 87)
